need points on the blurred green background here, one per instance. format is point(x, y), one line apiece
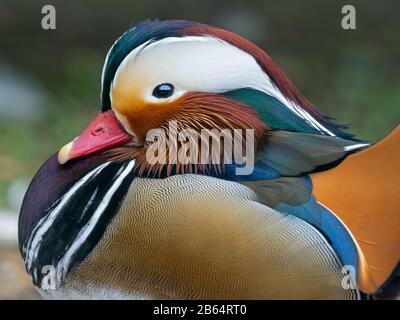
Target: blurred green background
point(50, 79)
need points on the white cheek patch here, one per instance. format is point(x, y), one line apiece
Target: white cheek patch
point(199, 64)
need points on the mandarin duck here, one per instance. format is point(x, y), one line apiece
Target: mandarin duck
point(316, 216)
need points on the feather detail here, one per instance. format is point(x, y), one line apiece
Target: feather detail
point(293, 154)
point(278, 116)
point(294, 196)
point(363, 192)
point(279, 78)
point(197, 237)
point(198, 112)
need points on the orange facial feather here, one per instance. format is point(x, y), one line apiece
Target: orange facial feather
point(196, 111)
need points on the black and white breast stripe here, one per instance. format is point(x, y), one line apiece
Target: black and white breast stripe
point(75, 222)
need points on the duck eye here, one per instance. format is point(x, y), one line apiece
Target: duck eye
point(164, 90)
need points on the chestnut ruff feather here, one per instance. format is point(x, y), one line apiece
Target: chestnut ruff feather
point(197, 111)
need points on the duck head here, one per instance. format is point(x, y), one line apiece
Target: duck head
point(197, 75)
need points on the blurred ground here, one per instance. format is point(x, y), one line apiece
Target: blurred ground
point(15, 284)
point(50, 80)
